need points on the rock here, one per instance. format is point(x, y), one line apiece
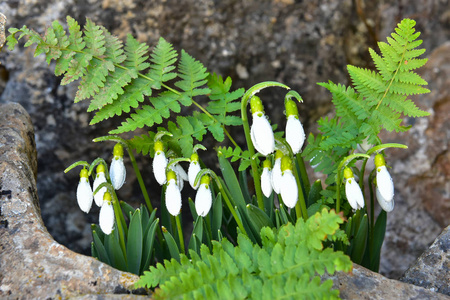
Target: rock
point(432, 268)
point(32, 263)
point(421, 173)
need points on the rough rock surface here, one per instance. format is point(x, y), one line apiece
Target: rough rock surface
point(432, 268)
point(32, 264)
point(295, 42)
point(421, 173)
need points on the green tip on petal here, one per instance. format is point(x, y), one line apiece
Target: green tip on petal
point(205, 179)
point(159, 146)
point(194, 157)
point(256, 105)
point(286, 163)
point(171, 175)
point(348, 173)
point(84, 173)
point(118, 150)
point(106, 196)
point(267, 164)
point(101, 168)
point(379, 160)
point(291, 108)
point(278, 154)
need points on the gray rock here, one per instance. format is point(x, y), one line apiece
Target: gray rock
point(432, 268)
point(32, 264)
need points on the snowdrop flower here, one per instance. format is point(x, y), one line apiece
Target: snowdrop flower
point(106, 218)
point(261, 132)
point(352, 190)
point(99, 179)
point(295, 135)
point(173, 195)
point(117, 171)
point(276, 172)
point(384, 180)
point(388, 206)
point(194, 168)
point(266, 178)
point(84, 192)
point(203, 199)
point(181, 175)
point(159, 163)
point(288, 185)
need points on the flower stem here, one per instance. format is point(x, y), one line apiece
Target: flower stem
point(303, 173)
point(120, 221)
point(180, 233)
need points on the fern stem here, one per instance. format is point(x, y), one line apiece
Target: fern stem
point(244, 102)
point(180, 233)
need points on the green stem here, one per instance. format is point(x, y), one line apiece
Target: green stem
point(180, 234)
point(119, 219)
point(244, 102)
point(303, 173)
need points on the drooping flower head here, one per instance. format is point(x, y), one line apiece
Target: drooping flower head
point(352, 190)
point(288, 185)
point(159, 163)
point(99, 179)
point(84, 192)
point(173, 194)
point(388, 206)
point(295, 135)
point(266, 178)
point(181, 175)
point(106, 217)
point(385, 184)
point(194, 168)
point(117, 171)
point(276, 172)
point(261, 132)
point(203, 198)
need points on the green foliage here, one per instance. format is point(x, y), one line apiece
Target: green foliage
point(286, 265)
point(377, 100)
point(117, 79)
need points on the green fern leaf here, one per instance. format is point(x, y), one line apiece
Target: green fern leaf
point(163, 57)
point(135, 53)
point(143, 143)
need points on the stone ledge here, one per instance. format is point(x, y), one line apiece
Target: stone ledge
point(33, 265)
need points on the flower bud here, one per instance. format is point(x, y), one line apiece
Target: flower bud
point(106, 217)
point(194, 168)
point(159, 163)
point(99, 179)
point(266, 178)
point(84, 192)
point(203, 198)
point(276, 172)
point(117, 171)
point(288, 184)
point(385, 184)
point(352, 190)
point(261, 132)
point(173, 195)
point(295, 134)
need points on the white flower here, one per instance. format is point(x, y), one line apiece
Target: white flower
point(203, 198)
point(84, 192)
point(266, 182)
point(276, 173)
point(194, 168)
point(117, 172)
point(262, 135)
point(159, 167)
point(173, 195)
point(99, 179)
point(385, 184)
point(181, 175)
point(354, 194)
point(289, 189)
point(388, 206)
point(295, 135)
point(106, 217)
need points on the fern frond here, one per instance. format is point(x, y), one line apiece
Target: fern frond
point(143, 143)
point(193, 76)
point(136, 55)
point(163, 57)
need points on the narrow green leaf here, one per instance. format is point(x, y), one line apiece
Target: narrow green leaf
point(359, 243)
point(197, 232)
point(258, 218)
point(101, 251)
point(134, 243)
point(171, 244)
point(379, 231)
point(216, 222)
point(115, 251)
point(231, 180)
point(148, 246)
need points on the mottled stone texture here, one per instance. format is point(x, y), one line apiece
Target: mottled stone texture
point(296, 42)
point(432, 268)
point(32, 264)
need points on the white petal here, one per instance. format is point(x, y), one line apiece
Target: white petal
point(181, 172)
point(203, 200)
point(99, 179)
point(388, 206)
point(194, 168)
point(173, 198)
point(117, 172)
point(276, 175)
point(384, 183)
point(354, 194)
point(289, 189)
point(295, 135)
point(266, 182)
point(159, 167)
point(84, 195)
point(106, 218)
point(262, 135)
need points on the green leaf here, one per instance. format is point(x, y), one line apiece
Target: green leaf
point(359, 243)
point(148, 245)
point(217, 213)
point(171, 244)
point(135, 243)
point(100, 248)
point(379, 231)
